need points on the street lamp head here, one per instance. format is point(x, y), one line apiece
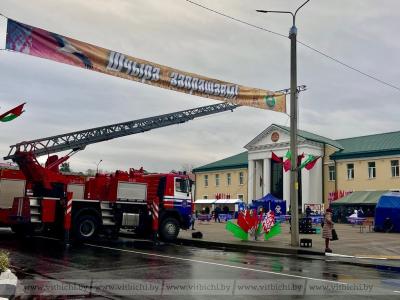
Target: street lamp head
point(97, 167)
point(262, 11)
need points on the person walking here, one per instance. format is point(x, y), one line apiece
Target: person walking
point(216, 215)
point(327, 229)
point(193, 219)
point(308, 211)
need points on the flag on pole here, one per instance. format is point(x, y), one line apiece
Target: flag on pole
point(286, 163)
point(312, 163)
point(299, 159)
point(12, 113)
point(276, 158)
point(309, 159)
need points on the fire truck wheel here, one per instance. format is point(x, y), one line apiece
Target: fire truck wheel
point(169, 229)
point(86, 227)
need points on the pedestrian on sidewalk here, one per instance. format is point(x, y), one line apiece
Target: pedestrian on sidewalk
point(193, 219)
point(308, 211)
point(327, 229)
point(216, 214)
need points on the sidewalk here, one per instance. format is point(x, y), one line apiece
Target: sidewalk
point(365, 247)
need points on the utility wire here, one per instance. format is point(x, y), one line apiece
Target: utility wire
point(348, 66)
point(235, 19)
point(298, 41)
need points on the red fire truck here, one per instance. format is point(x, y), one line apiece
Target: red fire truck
point(41, 198)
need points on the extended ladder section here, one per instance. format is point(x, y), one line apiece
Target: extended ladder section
point(78, 140)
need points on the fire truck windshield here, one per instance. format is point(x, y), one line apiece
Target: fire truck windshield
point(182, 185)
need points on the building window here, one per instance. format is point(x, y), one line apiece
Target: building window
point(395, 168)
point(217, 179)
point(229, 178)
point(371, 170)
point(240, 197)
point(205, 197)
point(205, 180)
point(350, 171)
point(241, 178)
point(332, 173)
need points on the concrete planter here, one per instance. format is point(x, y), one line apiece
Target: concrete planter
point(8, 285)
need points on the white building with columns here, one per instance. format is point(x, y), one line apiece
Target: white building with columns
point(266, 176)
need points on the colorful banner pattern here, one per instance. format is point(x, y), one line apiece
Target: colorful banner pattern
point(41, 43)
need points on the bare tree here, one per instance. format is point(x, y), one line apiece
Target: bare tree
point(186, 167)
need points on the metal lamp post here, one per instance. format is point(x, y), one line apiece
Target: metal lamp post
point(293, 125)
point(97, 168)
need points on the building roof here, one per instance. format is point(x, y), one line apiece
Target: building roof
point(370, 145)
point(360, 198)
point(382, 144)
point(232, 162)
point(313, 137)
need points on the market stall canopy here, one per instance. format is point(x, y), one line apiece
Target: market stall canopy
point(387, 213)
point(270, 202)
point(360, 198)
point(267, 197)
point(205, 201)
point(228, 201)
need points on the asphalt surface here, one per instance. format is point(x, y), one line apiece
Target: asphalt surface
point(136, 269)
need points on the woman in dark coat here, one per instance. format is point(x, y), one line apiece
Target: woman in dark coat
point(327, 230)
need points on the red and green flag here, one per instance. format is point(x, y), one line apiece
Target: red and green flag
point(286, 163)
point(12, 113)
point(310, 162)
point(299, 159)
point(276, 158)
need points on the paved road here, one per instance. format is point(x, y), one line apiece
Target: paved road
point(136, 269)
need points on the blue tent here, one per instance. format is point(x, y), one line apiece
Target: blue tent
point(387, 213)
point(270, 202)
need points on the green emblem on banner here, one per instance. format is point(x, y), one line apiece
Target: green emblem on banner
point(270, 101)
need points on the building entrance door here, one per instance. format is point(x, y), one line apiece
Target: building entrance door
point(276, 179)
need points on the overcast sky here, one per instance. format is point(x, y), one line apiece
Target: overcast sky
point(339, 103)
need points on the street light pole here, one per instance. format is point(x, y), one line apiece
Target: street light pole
point(97, 168)
point(294, 185)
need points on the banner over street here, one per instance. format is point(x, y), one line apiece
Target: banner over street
point(41, 43)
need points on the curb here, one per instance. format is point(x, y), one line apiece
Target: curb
point(246, 248)
point(8, 285)
point(345, 259)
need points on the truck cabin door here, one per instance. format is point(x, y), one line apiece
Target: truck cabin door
point(182, 191)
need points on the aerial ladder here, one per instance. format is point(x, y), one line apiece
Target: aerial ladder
point(47, 181)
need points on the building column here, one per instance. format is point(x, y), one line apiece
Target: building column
point(250, 181)
point(316, 183)
point(286, 188)
point(306, 194)
point(267, 176)
point(259, 179)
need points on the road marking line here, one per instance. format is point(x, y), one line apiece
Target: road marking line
point(376, 257)
point(338, 255)
point(214, 264)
